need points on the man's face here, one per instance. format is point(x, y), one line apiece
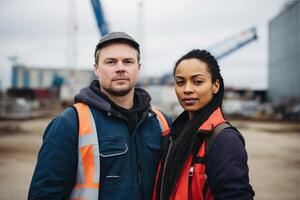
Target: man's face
point(117, 69)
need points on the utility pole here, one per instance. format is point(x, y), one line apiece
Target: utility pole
point(72, 35)
point(141, 31)
point(68, 88)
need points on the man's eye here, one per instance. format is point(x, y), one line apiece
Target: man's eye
point(128, 61)
point(109, 62)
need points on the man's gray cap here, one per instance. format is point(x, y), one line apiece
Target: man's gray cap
point(117, 37)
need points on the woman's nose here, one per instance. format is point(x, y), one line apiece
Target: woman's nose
point(188, 88)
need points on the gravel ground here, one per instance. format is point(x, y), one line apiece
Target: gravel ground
point(273, 150)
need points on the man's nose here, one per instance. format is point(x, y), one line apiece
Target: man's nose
point(120, 67)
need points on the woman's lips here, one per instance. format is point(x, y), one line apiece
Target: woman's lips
point(189, 101)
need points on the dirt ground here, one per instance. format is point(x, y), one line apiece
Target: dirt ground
point(273, 150)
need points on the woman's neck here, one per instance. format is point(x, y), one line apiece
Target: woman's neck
point(191, 114)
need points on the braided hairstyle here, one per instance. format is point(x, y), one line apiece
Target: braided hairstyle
point(187, 141)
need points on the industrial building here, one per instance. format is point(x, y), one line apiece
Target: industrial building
point(40, 77)
point(284, 54)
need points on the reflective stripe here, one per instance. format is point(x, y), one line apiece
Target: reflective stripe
point(87, 140)
point(88, 170)
point(162, 121)
point(77, 199)
point(80, 176)
point(84, 193)
point(96, 178)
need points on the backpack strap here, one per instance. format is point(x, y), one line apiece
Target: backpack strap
point(210, 139)
point(164, 125)
point(208, 144)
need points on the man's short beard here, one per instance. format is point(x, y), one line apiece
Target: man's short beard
point(117, 93)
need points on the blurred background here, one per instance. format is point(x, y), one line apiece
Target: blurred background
point(46, 56)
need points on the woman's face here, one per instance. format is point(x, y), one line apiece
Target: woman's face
point(193, 84)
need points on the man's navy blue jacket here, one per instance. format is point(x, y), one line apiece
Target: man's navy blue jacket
point(129, 155)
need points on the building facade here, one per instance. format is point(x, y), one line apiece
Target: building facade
point(284, 54)
point(38, 77)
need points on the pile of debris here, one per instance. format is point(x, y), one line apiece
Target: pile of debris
point(17, 104)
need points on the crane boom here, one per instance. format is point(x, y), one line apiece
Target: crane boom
point(233, 43)
point(101, 23)
point(224, 48)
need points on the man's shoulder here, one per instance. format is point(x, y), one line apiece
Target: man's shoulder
point(164, 120)
point(68, 113)
point(68, 117)
point(63, 125)
point(157, 110)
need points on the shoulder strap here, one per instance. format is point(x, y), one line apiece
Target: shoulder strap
point(210, 139)
point(162, 121)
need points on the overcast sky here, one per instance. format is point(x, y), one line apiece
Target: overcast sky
point(38, 32)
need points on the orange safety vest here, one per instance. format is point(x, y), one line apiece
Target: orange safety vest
point(88, 170)
point(195, 172)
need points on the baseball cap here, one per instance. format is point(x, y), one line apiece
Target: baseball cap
point(117, 37)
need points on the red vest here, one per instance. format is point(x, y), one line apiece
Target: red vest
point(195, 172)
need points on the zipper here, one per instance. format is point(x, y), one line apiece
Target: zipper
point(140, 177)
point(118, 116)
point(138, 162)
point(136, 156)
point(163, 172)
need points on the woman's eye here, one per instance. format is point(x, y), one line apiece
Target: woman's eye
point(179, 82)
point(197, 82)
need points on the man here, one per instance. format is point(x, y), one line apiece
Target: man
point(107, 146)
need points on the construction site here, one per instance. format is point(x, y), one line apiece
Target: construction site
point(273, 153)
point(268, 118)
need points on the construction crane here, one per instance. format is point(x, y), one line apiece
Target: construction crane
point(220, 50)
point(99, 15)
point(233, 43)
point(224, 48)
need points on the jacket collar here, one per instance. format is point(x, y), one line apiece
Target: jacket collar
point(213, 121)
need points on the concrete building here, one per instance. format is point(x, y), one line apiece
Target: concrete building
point(37, 77)
point(284, 54)
point(69, 81)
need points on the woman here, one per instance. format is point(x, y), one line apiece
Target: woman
point(187, 171)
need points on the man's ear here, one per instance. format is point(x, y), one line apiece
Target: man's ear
point(95, 69)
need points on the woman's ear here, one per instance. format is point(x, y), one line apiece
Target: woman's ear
point(216, 86)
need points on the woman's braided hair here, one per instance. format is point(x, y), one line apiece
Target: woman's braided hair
point(184, 145)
